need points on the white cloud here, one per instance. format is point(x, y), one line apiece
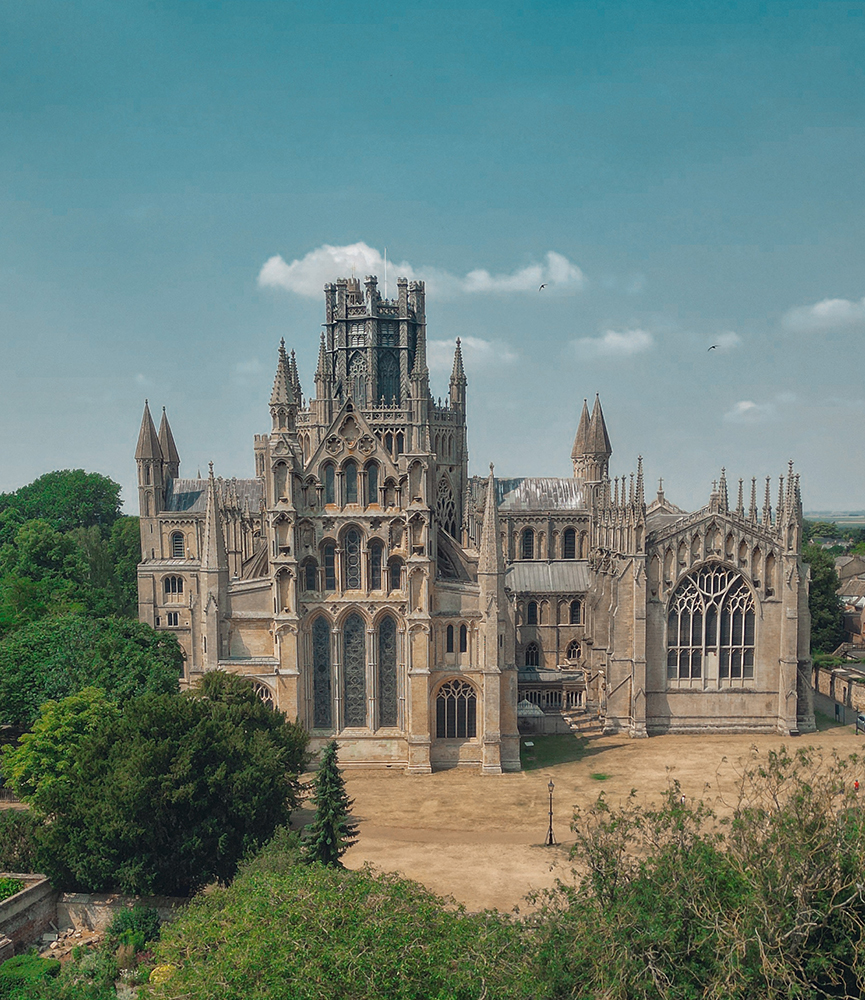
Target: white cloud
point(477, 353)
point(727, 341)
point(613, 343)
point(746, 411)
point(830, 314)
point(307, 275)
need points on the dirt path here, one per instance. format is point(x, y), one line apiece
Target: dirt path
point(479, 839)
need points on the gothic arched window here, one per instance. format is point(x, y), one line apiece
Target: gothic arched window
point(329, 553)
point(449, 639)
point(354, 671)
point(574, 652)
point(528, 544)
point(372, 483)
point(532, 613)
point(309, 575)
point(456, 711)
point(329, 484)
point(533, 655)
point(464, 639)
point(711, 621)
point(375, 559)
point(387, 687)
point(388, 377)
point(178, 546)
point(349, 474)
point(395, 571)
point(321, 700)
point(569, 544)
point(173, 585)
point(352, 559)
point(446, 509)
point(576, 613)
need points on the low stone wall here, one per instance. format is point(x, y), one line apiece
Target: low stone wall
point(88, 911)
point(27, 915)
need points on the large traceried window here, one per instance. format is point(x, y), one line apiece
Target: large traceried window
point(711, 620)
point(387, 714)
point(456, 711)
point(533, 655)
point(354, 671)
point(388, 377)
point(321, 701)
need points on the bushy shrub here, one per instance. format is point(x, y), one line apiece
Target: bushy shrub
point(135, 927)
point(26, 971)
point(18, 840)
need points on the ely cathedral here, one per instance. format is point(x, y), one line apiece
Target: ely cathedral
point(374, 590)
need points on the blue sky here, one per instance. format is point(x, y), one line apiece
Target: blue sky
point(685, 174)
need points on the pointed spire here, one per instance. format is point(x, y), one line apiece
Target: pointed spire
point(631, 491)
point(419, 369)
point(283, 394)
point(148, 440)
point(458, 375)
point(321, 371)
point(167, 445)
point(641, 497)
point(490, 560)
point(598, 441)
point(752, 512)
point(582, 437)
point(213, 556)
point(767, 503)
point(779, 510)
point(723, 500)
point(616, 492)
point(789, 500)
point(740, 503)
point(294, 378)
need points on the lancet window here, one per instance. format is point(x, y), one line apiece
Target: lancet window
point(576, 613)
point(528, 544)
point(372, 483)
point(375, 561)
point(350, 480)
point(352, 560)
point(178, 547)
point(322, 717)
point(569, 544)
point(387, 684)
point(711, 618)
point(354, 671)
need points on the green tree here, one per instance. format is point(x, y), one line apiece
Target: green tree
point(55, 657)
point(44, 757)
point(332, 831)
point(171, 793)
point(827, 617)
point(69, 498)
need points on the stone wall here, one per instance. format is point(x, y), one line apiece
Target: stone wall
point(27, 915)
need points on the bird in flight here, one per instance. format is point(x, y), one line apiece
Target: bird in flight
point(544, 285)
point(714, 347)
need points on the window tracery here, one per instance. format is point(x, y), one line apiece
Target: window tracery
point(387, 683)
point(446, 510)
point(354, 670)
point(533, 655)
point(321, 700)
point(352, 559)
point(456, 711)
point(711, 616)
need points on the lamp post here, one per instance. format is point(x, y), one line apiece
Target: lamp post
point(551, 840)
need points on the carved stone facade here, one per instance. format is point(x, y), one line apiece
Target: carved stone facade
point(377, 593)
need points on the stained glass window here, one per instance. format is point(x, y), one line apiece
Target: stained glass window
point(387, 714)
point(321, 713)
point(354, 671)
point(352, 560)
point(456, 711)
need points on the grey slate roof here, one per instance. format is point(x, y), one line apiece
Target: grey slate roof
point(533, 494)
point(190, 495)
point(569, 576)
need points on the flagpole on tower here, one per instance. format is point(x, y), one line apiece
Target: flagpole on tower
point(385, 272)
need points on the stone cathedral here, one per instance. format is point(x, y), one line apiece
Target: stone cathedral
point(371, 588)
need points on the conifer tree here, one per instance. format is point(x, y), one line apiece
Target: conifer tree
point(332, 831)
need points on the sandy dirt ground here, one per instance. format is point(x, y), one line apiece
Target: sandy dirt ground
point(480, 838)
